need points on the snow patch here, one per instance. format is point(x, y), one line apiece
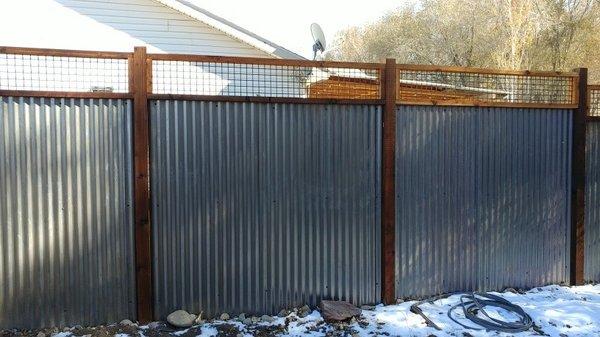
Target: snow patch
point(558, 311)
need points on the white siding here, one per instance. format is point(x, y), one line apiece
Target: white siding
point(113, 25)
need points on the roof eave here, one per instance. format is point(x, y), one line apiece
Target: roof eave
point(229, 28)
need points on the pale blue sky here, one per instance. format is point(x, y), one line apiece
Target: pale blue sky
point(287, 22)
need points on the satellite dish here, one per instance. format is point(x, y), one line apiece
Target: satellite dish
point(319, 38)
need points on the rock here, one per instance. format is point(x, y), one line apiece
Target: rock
point(153, 325)
point(283, 313)
point(255, 319)
point(181, 319)
point(367, 307)
point(247, 321)
point(41, 334)
point(126, 322)
point(267, 318)
point(353, 320)
point(241, 317)
point(224, 316)
point(336, 311)
point(304, 311)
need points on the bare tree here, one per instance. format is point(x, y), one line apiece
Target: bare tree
point(516, 34)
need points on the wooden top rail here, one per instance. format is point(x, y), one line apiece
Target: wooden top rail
point(484, 71)
point(265, 61)
point(64, 53)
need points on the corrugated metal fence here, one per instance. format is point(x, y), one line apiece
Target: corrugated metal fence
point(65, 212)
point(275, 200)
point(259, 207)
point(482, 198)
point(592, 203)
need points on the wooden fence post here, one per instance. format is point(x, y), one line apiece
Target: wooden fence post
point(578, 180)
point(388, 190)
point(138, 79)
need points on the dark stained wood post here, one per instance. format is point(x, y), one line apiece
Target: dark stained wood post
point(138, 79)
point(388, 190)
point(578, 179)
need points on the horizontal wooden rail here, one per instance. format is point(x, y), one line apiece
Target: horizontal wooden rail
point(64, 53)
point(65, 94)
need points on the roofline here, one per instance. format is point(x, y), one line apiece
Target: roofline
point(455, 87)
point(231, 29)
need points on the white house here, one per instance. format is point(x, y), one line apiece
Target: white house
point(169, 26)
point(163, 26)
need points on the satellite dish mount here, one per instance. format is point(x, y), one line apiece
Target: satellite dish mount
point(319, 38)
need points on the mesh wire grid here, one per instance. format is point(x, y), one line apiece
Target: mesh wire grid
point(305, 80)
point(264, 80)
point(423, 85)
point(594, 102)
point(63, 73)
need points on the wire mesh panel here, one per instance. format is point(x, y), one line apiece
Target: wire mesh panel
point(63, 73)
point(594, 101)
point(265, 78)
point(431, 85)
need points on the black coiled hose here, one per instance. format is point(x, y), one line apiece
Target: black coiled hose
point(474, 303)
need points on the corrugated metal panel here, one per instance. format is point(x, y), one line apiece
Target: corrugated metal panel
point(66, 242)
point(483, 198)
point(592, 204)
point(258, 207)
